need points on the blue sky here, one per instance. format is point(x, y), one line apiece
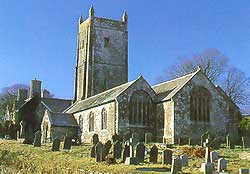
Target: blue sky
point(38, 38)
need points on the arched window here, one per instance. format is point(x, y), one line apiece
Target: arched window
point(104, 118)
point(91, 121)
point(80, 121)
point(140, 106)
point(200, 104)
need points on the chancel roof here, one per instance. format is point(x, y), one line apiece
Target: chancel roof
point(168, 89)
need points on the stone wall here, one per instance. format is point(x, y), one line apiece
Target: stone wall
point(104, 134)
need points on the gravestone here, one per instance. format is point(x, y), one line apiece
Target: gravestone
point(167, 156)
point(67, 143)
point(126, 136)
point(208, 168)
point(117, 150)
point(245, 142)
point(98, 152)
point(222, 164)
point(92, 152)
point(176, 165)
point(37, 139)
point(126, 152)
point(148, 137)
point(184, 160)
point(204, 137)
point(115, 138)
point(207, 155)
point(106, 149)
point(131, 161)
point(214, 156)
point(131, 150)
point(140, 152)
point(56, 144)
point(95, 139)
point(153, 154)
point(244, 171)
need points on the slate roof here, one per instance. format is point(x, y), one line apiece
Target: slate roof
point(56, 105)
point(62, 119)
point(168, 89)
point(99, 99)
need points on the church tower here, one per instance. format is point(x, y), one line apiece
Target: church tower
point(102, 55)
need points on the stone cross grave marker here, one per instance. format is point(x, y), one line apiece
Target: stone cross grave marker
point(184, 160)
point(153, 155)
point(222, 164)
point(214, 156)
point(107, 146)
point(67, 143)
point(167, 156)
point(95, 139)
point(176, 165)
point(140, 152)
point(98, 152)
point(56, 144)
point(117, 150)
point(207, 155)
point(37, 139)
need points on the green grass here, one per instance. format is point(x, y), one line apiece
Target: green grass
point(17, 157)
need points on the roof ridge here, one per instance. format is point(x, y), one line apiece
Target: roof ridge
point(177, 78)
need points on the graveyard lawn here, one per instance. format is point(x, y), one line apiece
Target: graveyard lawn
point(17, 157)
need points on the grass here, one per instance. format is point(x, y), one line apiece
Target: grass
point(17, 157)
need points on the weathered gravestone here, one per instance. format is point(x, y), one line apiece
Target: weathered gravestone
point(245, 142)
point(106, 149)
point(153, 155)
point(230, 142)
point(56, 144)
point(95, 139)
point(184, 160)
point(222, 164)
point(244, 171)
point(37, 139)
point(213, 156)
point(92, 152)
point(115, 138)
point(126, 136)
point(176, 165)
point(208, 168)
point(67, 143)
point(131, 161)
point(117, 150)
point(167, 156)
point(140, 152)
point(98, 152)
point(148, 137)
point(126, 152)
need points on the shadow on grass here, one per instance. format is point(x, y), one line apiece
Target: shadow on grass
point(153, 169)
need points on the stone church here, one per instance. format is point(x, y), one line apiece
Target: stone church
point(105, 103)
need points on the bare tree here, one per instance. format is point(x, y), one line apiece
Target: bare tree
point(210, 60)
point(236, 85)
point(215, 65)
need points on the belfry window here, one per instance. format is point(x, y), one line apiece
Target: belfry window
point(140, 106)
point(106, 42)
point(91, 121)
point(200, 104)
point(104, 118)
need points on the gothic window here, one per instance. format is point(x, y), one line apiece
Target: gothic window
point(140, 106)
point(80, 121)
point(106, 42)
point(91, 121)
point(104, 118)
point(200, 104)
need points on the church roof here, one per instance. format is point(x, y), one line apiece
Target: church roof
point(55, 104)
point(168, 89)
point(62, 119)
point(99, 99)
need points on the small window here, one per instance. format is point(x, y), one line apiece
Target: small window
point(104, 119)
point(106, 42)
point(91, 122)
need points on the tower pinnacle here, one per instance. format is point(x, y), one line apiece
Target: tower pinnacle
point(91, 11)
point(125, 16)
